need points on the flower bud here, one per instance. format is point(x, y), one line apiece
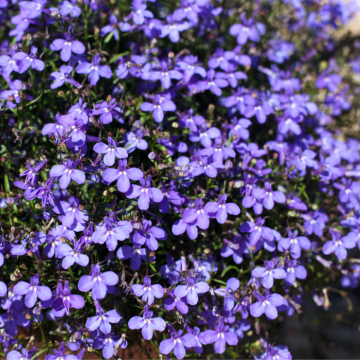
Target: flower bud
point(152, 155)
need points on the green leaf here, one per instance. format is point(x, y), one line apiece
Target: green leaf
point(114, 58)
point(153, 268)
point(38, 354)
point(34, 101)
point(108, 37)
point(6, 183)
point(230, 267)
point(219, 281)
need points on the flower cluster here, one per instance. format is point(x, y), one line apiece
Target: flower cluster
point(172, 168)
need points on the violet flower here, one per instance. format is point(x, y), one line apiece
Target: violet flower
point(220, 210)
point(221, 336)
point(267, 304)
point(268, 273)
point(177, 343)
point(67, 173)
point(144, 193)
point(63, 76)
point(147, 323)
point(228, 293)
point(338, 245)
point(97, 282)
point(102, 320)
point(111, 151)
point(32, 291)
point(95, 70)
point(30, 60)
point(191, 290)
point(123, 176)
point(147, 291)
point(158, 107)
point(67, 46)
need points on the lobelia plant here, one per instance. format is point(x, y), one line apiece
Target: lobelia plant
point(228, 128)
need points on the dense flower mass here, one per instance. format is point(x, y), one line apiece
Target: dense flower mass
point(174, 173)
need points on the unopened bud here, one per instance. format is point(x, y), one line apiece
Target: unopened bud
point(54, 13)
point(61, 93)
point(171, 54)
point(28, 316)
point(108, 99)
point(175, 125)
point(92, 119)
point(37, 206)
point(106, 193)
point(122, 131)
point(207, 251)
point(29, 253)
point(152, 253)
point(152, 156)
point(112, 189)
point(166, 152)
point(161, 166)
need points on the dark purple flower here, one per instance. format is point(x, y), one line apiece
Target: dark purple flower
point(102, 320)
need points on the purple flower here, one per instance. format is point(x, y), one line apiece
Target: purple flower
point(24, 355)
point(123, 176)
point(213, 83)
point(136, 253)
point(257, 231)
point(220, 337)
point(97, 282)
point(147, 291)
point(220, 210)
point(144, 193)
point(174, 301)
point(71, 211)
point(294, 271)
point(147, 323)
point(148, 235)
point(3, 289)
point(338, 245)
point(106, 342)
point(30, 60)
point(267, 304)
point(268, 196)
point(114, 27)
point(268, 273)
point(63, 76)
point(66, 301)
point(67, 46)
point(228, 294)
point(139, 13)
point(107, 110)
point(67, 173)
point(71, 256)
point(247, 30)
point(191, 290)
point(189, 65)
point(163, 74)
point(31, 172)
point(69, 8)
point(32, 291)
point(177, 343)
point(111, 151)
point(202, 166)
point(294, 244)
point(204, 135)
point(158, 107)
point(94, 70)
point(241, 99)
point(188, 9)
point(173, 28)
point(135, 141)
point(102, 320)
point(111, 232)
